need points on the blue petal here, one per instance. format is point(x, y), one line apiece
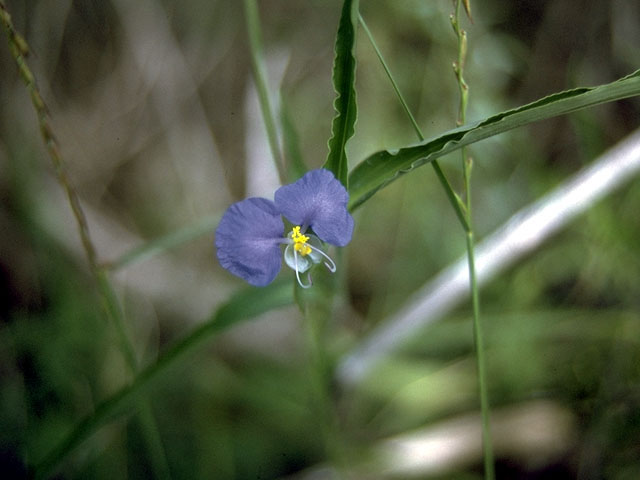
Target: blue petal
point(248, 240)
point(318, 200)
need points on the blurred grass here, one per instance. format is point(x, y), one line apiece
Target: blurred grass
point(149, 108)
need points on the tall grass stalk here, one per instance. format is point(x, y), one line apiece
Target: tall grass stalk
point(454, 199)
point(462, 210)
point(252, 19)
point(19, 50)
point(467, 164)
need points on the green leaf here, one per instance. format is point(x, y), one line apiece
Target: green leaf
point(165, 243)
point(246, 304)
point(294, 161)
point(344, 77)
point(257, 65)
point(382, 168)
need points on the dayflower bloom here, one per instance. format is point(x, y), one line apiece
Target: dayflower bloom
point(250, 232)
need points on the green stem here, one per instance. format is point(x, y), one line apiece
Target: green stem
point(257, 65)
point(164, 243)
point(467, 164)
point(478, 338)
point(316, 306)
point(148, 424)
point(412, 119)
point(320, 398)
point(463, 212)
point(454, 199)
point(246, 304)
point(19, 49)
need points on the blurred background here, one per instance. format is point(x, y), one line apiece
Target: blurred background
point(155, 111)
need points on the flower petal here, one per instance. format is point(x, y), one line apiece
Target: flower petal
point(248, 240)
point(318, 200)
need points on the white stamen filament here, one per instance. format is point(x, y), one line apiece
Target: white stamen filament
point(295, 260)
point(332, 266)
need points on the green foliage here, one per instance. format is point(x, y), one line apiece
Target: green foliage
point(117, 370)
point(344, 78)
point(381, 168)
point(244, 305)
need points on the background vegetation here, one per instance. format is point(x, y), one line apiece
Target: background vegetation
point(155, 111)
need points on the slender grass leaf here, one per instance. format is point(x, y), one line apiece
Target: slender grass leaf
point(166, 242)
point(382, 168)
point(262, 87)
point(294, 161)
point(245, 305)
point(344, 77)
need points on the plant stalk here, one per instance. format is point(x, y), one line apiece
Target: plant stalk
point(467, 164)
point(19, 50)
point(252, 19)
point(454, 199)
point(463, 212)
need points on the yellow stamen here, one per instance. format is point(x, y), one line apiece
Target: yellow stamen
point(300, 242)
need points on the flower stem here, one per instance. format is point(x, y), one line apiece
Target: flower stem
point(467, 164)
point(316, 306)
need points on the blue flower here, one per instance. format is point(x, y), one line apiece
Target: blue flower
point(250, 232)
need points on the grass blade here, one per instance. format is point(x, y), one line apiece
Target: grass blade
point(381, 168)
point(19, 49)
point(260, 77)
point(517, 238)
point(245, 305)
point(294, 161)
point(166, 242)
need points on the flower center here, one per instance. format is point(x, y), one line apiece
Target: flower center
point(300, 242)
point(303, 251)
